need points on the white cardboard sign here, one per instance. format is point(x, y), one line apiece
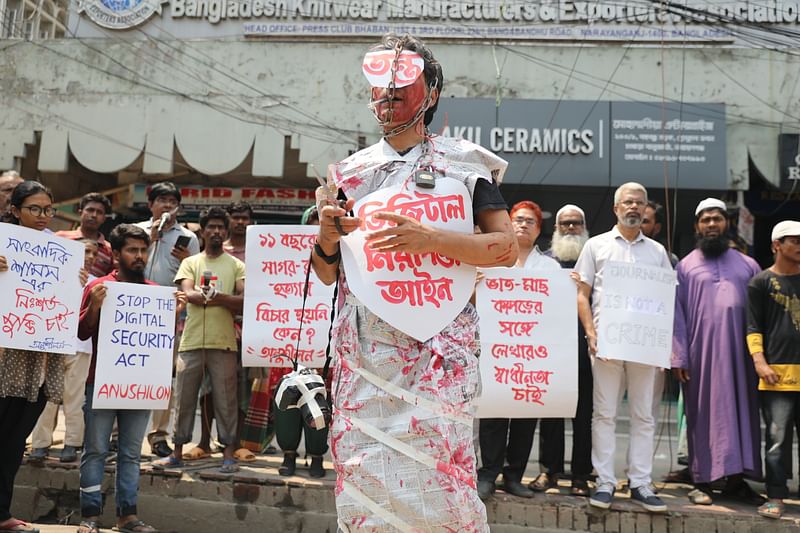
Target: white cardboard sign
point(277, 259)
point(529, 343)
point(135, 344)
point(636, 313)
point(41, 290)
point(417, 294)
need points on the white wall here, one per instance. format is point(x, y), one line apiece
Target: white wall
point(73, 91)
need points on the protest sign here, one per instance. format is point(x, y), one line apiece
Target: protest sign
point(277, 259)
point(135, 343)
point(42, 290)
point(529, 343)
point(419, 294)
point(636, 312)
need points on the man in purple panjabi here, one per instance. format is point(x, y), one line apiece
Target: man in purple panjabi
point(709, 357)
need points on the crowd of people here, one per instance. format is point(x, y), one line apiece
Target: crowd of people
point(735, 347)
point(158, 251)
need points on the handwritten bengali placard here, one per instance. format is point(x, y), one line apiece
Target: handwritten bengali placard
point(277, 259)
point(41, 290)
point(636, 313)
point(529, 343)
point(417, 294)
point(135, 344)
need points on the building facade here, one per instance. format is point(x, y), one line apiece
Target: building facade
point(690, 99)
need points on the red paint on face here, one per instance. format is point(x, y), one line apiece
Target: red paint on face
point(405, 104)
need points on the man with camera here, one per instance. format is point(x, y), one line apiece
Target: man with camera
point(170, 243)
point(214, 284)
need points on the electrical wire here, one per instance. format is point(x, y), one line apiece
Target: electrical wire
point(571, 74)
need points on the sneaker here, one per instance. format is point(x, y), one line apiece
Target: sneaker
point(602, 497)
point(645, 497)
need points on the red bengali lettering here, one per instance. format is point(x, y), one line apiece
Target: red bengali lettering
point(526, 352)
point(500, 284)
point(286, 354)
point(281, 334)
point(539, 285)
point(416, 205)
point(517, 375)
point(517, 329)
point(292, 288)
point(519, 307)
point(265, 313)
point(418, 291)
point(286, 267)
point(266, 241)
point(320, 312)
point(402, 261)
point(298, 241)
point(58, 322)
point(13, 323)
point(379, 63)
point(28, 300)
point(529, 394)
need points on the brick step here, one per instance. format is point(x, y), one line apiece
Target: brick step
point(198, 499)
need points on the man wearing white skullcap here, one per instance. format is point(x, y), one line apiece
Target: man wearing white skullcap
point(569, 236)
point(709, 359)
point(568, 239)
point(773, 337)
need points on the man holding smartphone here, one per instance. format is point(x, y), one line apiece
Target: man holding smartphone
point(170, 243)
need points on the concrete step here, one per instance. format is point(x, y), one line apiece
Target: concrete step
point(201, 500)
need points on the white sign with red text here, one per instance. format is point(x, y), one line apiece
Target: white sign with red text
point(42, 290)
point(529, 343)
point(417, 294)
point(277, 259)
point(135, 343)
point(636, 312)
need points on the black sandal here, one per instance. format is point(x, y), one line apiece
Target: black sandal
point(131, 526)
point(91, 525)
point(580, 487)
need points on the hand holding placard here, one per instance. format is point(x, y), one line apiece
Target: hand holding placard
point(277, 262)
point(529, 349)
point(42, 281)
point(135, 345)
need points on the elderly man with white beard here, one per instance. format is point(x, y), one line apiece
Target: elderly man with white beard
point(568, 239)
point(569, 236)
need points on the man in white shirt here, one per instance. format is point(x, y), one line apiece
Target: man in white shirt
point(625, 243)
point(170, 243)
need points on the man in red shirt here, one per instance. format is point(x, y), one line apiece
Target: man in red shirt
point(93, 210)
point(129, 244)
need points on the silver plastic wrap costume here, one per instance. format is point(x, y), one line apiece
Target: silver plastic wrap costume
point(402, 433)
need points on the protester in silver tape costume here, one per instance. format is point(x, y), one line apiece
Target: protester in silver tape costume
point(402, 432)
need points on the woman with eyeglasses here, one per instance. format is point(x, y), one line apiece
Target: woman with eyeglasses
point(506, 443)
point(28, 379)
